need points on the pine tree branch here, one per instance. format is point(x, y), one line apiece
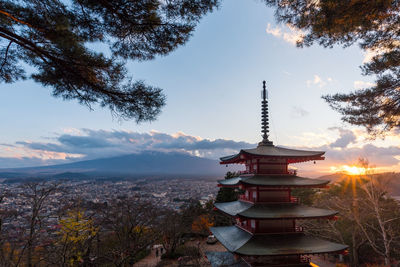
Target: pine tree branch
point(19, 21)
point(5, 57)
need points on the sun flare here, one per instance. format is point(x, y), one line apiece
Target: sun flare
point(350, 170)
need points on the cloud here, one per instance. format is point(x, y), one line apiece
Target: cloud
point(277, 32)
point(89, 144)
point(379, 156)
point(362, 84)
point(11, 162)
point(318, 81)
point(298, 112)
point(289, 34)
point(371, 53)
point(346, 137)
point(72, 146)
point(347, 148)
point(383, 159)
point(368, 55)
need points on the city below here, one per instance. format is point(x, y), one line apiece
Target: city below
point(170, 193)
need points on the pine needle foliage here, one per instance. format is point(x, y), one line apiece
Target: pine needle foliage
point(374, 26)
point(79, 48)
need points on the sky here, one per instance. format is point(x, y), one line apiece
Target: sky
point(213, 85)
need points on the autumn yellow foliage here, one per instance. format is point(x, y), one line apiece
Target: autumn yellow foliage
point(75, 232)
point(202, 224)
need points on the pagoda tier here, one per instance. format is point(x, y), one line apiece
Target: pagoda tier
point(284, 211)
point(239, 241)
point(273, 181)
point(269, 151)
point(269, 159)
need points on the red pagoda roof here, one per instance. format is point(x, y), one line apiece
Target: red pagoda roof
point(242, 242)
point(271, 151)
point(273, 210)
point(285, 181)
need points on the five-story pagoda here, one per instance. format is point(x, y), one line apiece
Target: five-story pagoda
point(266, 231)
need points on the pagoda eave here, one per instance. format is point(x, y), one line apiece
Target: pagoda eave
point(273, 152)
point(274, 181)
point(290, 160)
point(274, 211)
point(300, 159)
point(329, 217)
point(241, 242)
point(288, 186)
point(228, 186)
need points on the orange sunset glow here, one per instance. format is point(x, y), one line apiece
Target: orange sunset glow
point(349, 169)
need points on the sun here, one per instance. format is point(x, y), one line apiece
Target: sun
point(350, 170)
point(354, 170)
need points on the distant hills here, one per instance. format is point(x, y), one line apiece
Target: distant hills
point(153, 164)
point(146, 163)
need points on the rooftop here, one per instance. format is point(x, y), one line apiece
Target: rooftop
point(292, 155)
point(274, 181)
point(273, 210)
point(241, 242)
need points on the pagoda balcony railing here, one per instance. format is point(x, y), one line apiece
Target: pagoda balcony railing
point(305, 259)
point(243, 197)
point(288, 230)
point(272, 200)
point(245, 172)
point(272, 172)
point(289, 260)
point(247, 227)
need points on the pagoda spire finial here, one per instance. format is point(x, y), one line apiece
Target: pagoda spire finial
point(264, 118)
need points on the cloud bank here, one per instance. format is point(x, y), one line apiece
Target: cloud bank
point(85, 144)
point(348, 148)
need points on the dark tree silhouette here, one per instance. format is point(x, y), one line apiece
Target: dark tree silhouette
point(126, 230)
point(227, 194)
point(61, 40)
point(37, 194)
point(374, 26)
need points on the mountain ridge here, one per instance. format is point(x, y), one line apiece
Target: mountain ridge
point(144, 163)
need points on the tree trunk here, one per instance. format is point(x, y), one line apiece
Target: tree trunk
point(30, 244)
point(354, 251)
point(386, 242)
